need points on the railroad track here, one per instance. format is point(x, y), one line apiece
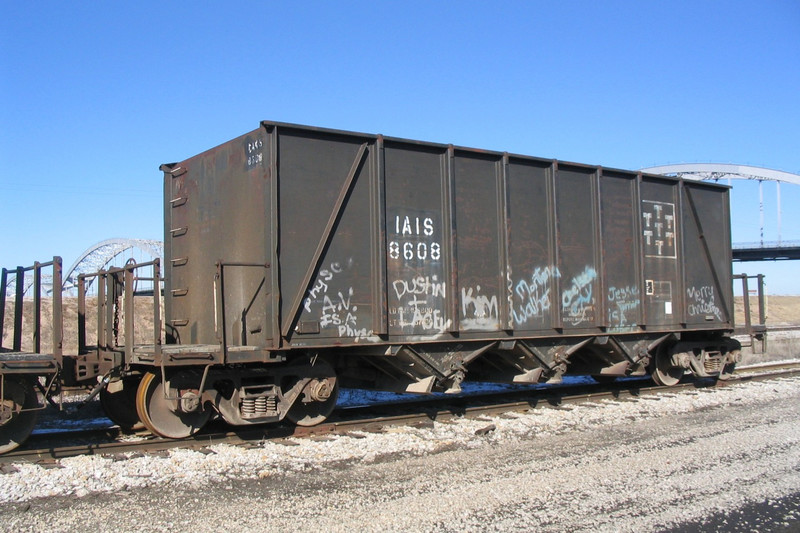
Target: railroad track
point(47, 449)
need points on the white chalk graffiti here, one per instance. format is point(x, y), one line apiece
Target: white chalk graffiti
point(421, 285)
point(428, 318)
point(701, 302)
point(336, 310)
point(419, 304)
point(478, 311)
point(321, 285)
point(622, 303)
point(534, 294)
point(577, 301)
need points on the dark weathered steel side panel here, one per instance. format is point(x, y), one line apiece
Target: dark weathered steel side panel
point(707, 261)
point(532, 272)
point(324, 178)
point(575, 198)
point(621, 261)
point(216, 210)
point(416, 240)
point(661, 238)
point(329, 238)
point(479, 241)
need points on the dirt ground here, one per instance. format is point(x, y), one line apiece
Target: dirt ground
point(780, 310)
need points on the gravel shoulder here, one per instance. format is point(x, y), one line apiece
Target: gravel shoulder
point(682, 462)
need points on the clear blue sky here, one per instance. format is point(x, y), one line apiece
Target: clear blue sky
point(95, 95)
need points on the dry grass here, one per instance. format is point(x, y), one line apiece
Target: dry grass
point(781, 311)
point(143, 323)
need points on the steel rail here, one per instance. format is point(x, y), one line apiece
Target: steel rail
point(375, 418)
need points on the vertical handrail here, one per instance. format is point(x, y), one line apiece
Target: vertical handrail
point(101, 302)
point(20, 292)
point(157, 307)
point(223, 334)
point(128, 312)
point(746, 300)
point(108, 311)
point(37, 307)
point(81, 314)
point(58, 312)
point(3, 282)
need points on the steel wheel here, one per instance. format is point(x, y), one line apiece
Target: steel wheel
point(318, 397)
point(120, 405)
point(16, 423)
point(663, 371)
point(171, 418)
point(727, 372)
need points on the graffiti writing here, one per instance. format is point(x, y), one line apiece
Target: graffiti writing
point(333, 307)
point(534, 294)
point(420, 285)
point(701, 301)
point(623, 303)
point(479, 311)
point(577, 300)
point(419, 304)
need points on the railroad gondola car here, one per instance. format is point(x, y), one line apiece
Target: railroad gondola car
point(299, 260)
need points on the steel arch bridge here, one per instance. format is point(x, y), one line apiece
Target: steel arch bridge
point(97, 257)
point(718, 171)
point(723, 171)
point(102, 254)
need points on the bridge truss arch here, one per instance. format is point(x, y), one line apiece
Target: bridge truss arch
point(726, 171)
point(718, 171)
point(102, 255)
